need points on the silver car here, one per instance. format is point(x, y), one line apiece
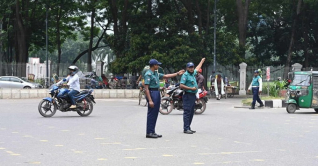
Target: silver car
point(16, 82)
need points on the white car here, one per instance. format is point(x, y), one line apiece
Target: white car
point(18, 83)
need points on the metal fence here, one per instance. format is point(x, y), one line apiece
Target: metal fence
point(232, 72)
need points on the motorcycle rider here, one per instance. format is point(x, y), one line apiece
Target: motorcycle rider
point(189, 84)
point(73, 83)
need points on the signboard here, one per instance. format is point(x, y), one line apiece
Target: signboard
point(268, 73)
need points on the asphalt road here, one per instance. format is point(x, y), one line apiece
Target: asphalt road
point(114, 134)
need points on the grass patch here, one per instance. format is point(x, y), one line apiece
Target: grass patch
point(249, 100)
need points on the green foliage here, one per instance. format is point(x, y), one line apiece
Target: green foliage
point(174, 32)
point(274, 88)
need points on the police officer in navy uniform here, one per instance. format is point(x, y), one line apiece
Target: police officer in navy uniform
point(256, 87)
point(189, 85)
point(151, 78)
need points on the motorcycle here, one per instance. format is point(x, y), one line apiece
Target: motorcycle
point(59, 100)
point(174, 100)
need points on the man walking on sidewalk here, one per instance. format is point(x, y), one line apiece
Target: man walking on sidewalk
point(256, 86)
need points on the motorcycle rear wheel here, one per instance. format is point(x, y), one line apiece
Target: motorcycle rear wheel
point(45, 107)
point(200, 111)
point(88, 110)
point(166, 107)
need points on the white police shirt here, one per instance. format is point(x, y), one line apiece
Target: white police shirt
point(73, 82)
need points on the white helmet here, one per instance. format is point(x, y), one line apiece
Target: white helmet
point(74, 68)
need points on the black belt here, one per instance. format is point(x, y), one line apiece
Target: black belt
point(154, 89)
point(190, 93)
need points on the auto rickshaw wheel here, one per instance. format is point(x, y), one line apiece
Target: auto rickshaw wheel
point(316, 109)
point(291, 108)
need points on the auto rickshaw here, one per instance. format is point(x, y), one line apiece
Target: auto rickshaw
point(302, 91)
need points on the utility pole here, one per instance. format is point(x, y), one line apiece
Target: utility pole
point(214, 59)
point(46, 51)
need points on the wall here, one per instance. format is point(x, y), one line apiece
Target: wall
point(41, 93)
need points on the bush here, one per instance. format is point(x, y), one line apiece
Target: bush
point(275, 88)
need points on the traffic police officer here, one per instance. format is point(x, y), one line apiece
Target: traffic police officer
point(189, 84)
point(256, 86)
point(151, 78)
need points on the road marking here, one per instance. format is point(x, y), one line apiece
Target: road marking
point(140, 148)
point(15, 154)
point(99, 138)
point(258, 160)
point(65, 130)
point(130, 157)
point(78, 152)
point(59, 145)
point(51, 127)
point(2, 148)
point(101, 159)
point(128, 149)
point(227, 153)
point(198, 163)
point(27, 136)
point(9, 152)
point(113, 143)
point(36, 162)
point(193, 146)
point(44, 140)
point(167, 155)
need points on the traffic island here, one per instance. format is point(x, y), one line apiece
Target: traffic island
point(269, 102)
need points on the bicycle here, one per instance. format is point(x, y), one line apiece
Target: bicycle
point(142, 97)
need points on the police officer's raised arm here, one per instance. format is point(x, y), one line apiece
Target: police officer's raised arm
point(174, 74)
point(200, 64)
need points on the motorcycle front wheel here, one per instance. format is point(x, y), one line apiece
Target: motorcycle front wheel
point(200, 111)
point(46, 108)
point(166, 107)
point(87, 109)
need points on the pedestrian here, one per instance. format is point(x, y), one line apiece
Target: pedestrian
point(200, 80)
point(189, 84)
point(219, 86)
point(152, 92)
point(105, 82)
point(256, 86)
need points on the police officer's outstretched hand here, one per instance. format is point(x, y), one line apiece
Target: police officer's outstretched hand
point(151, 104)
point(181, 72)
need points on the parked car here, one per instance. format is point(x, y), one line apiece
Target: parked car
point(16, 82)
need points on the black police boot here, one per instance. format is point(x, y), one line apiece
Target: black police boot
point(151, 135)
point(252, 107)
point(262, 105)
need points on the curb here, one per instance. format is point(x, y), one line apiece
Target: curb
point(274, 103)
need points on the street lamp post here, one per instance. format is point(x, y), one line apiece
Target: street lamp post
point(214, 59)
point(46, 50)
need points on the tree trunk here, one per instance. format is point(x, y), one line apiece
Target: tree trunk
point(242, 10)
point(291, 44)
point(305, 36)
point(21, 49)
point(89, 55)
point(58, 41)
point(199, 17)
